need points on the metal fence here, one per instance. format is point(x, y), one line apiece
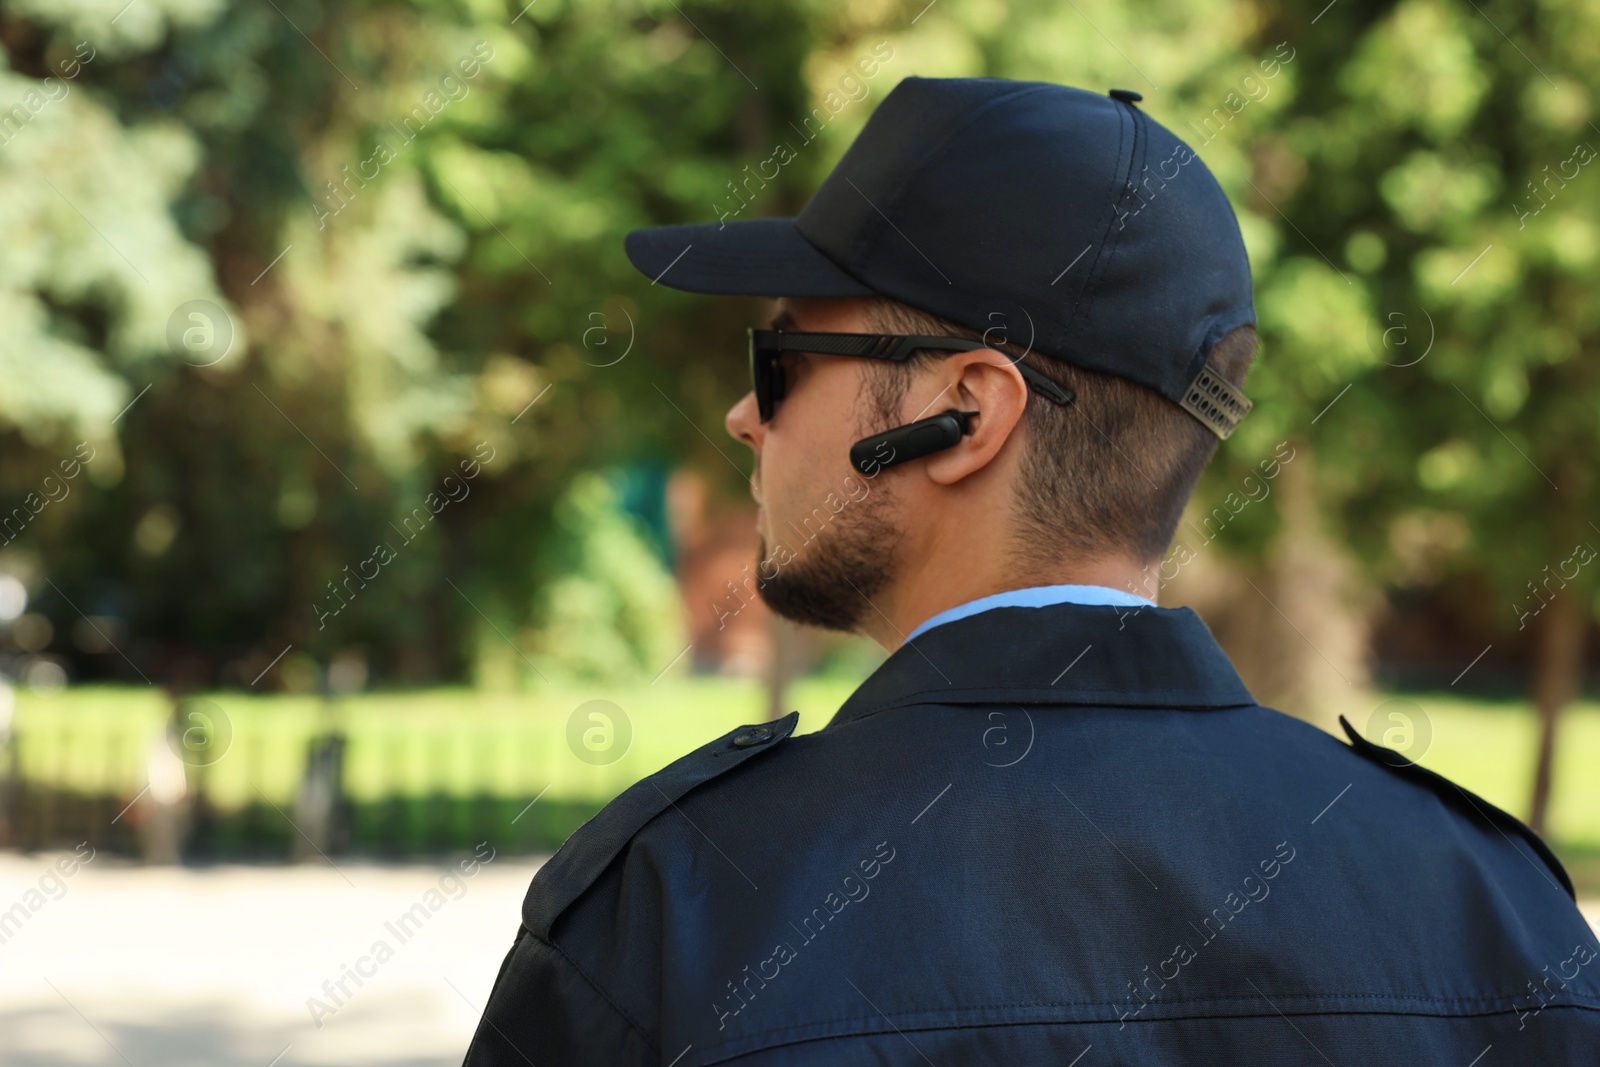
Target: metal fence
point(160, 823)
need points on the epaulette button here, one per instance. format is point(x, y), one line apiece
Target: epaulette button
point(758, 735)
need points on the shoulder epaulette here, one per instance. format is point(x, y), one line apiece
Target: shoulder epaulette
point(591, 848)
point(1458, 798)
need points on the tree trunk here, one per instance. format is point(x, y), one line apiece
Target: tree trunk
point(1557, 676)
point(1296, 627)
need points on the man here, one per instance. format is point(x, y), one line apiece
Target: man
point(1053, 827)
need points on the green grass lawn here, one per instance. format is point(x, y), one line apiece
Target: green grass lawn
point(455, 742)
point(462, 743)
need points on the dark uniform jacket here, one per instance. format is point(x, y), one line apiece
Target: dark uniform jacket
point(1061, 835)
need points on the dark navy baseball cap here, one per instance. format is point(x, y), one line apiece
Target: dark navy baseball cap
point(1084, 229)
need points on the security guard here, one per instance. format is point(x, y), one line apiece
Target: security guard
point(1054, 826)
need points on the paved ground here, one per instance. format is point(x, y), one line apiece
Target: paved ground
point(171, 967)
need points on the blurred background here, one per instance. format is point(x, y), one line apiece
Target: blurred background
point(363, 514)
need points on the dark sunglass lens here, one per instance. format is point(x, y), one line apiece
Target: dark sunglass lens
point(761, 370)
point(777, 378)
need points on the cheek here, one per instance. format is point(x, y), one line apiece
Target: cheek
point(807, 454)
point(788, 465)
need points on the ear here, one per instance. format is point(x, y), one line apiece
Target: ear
point(985, 381)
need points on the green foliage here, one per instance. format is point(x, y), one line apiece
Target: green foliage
point(611, 611)
point(1441, 115)
point(411, 214)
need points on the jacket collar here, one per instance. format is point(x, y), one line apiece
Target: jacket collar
point(1062, 654)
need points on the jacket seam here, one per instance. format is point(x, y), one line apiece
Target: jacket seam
point(1117, 192)
point(912, 699)
point(628, 1018)
point(505, 965)
point(1593, 1005)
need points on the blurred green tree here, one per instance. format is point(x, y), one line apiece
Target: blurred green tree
point(411, 217)
point(407, 217)
point(1436, 151)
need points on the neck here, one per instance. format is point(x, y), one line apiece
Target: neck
point(940, 584)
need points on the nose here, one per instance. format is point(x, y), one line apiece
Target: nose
point(743, 422)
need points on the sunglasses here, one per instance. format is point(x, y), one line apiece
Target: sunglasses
point(769, 381)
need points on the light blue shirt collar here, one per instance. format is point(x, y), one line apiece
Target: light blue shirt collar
point(1037, 596)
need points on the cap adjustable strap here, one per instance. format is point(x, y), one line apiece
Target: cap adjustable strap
point(1215, 401)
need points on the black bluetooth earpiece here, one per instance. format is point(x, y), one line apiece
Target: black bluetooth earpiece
point(911, 441)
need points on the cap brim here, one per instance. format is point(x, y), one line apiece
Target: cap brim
point(753, 257)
